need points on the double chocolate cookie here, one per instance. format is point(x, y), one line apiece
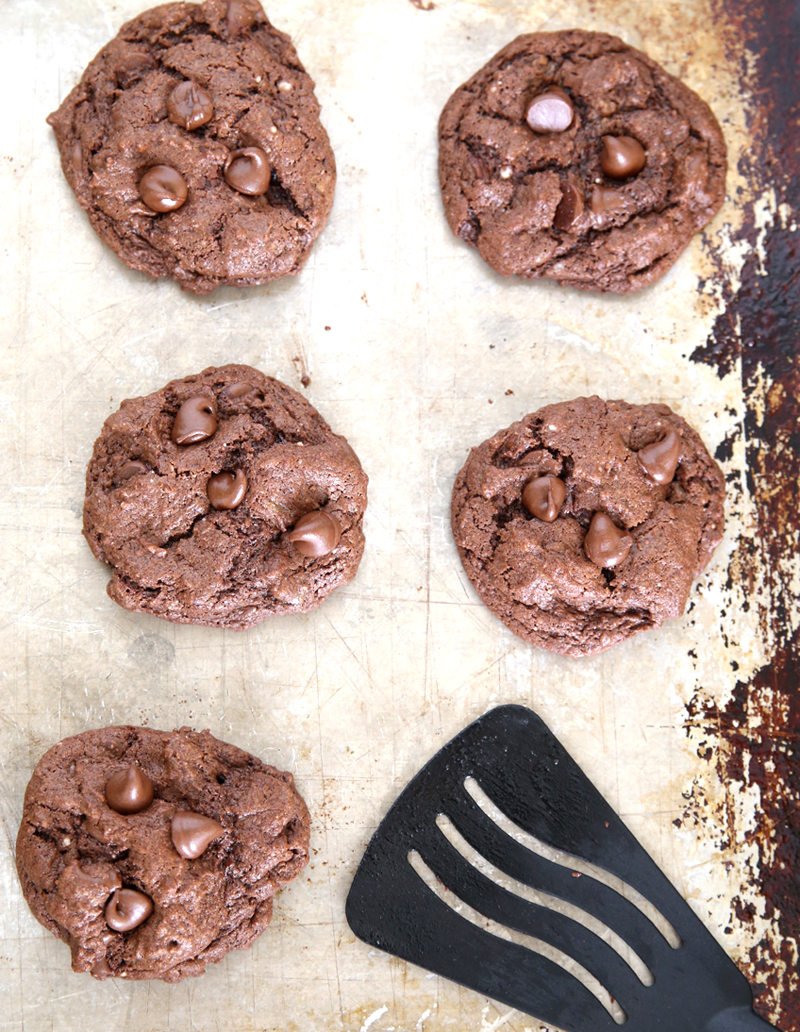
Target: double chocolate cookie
point(193, 141)
point(587, 521)
point(153, 853)
point(573, 156)
point(223, 498)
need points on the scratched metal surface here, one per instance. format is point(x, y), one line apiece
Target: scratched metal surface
point(415, 351)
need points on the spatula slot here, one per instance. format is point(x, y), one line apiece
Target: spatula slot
point(543, 899)
point(565, 962)
point(575, 864)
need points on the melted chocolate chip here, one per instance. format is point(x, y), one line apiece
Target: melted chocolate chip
point(604, 200)
point(192, 833)
point(101, 969)
point(605, 544)
point(163, 188)
point(544, 497)
point(189, 105)
point(196, 420)
point(240, 17)
point(570, 207)
point(127, 909)
point(660, 459)
point(132, 66)
point(129, 790)
point(226, 490)
point(130, 469)
point(315, 534)
point(550, 112)
point(622, 156)
point(95, 875)
point(248, 171)
point(238, 389)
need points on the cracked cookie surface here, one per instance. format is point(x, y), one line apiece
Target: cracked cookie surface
point(241, 86)
point(536, 575)
point(546, 203)
point(74, 851)
point(200, 532)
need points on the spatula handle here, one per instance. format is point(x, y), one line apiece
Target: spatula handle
point(738, 1019)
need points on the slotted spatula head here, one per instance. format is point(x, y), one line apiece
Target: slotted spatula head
point(510, 758)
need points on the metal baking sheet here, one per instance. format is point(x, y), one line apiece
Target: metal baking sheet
point(415, 351)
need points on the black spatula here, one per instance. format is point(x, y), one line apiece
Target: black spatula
point(444, 847)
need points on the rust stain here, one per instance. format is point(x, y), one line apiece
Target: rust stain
point(756, 736)
point(422, 5)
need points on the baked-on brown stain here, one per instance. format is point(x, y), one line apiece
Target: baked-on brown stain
point(756, 747)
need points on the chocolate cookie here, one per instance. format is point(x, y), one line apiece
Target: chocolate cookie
point(587, 521)
point(573, 156)
point(222, 498)
point(154, 853)
point(194, 143)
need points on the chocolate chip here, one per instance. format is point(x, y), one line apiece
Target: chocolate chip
point(570, 207)
point(163, 188)
point(127, 909)
point(189, 105)
point(660, 459)
point(605, 544)
point(226, 490)
point(131, 66)
point(622, 156)
point(192, 833)
point(544, 497)
point(129, 790)
point(101, 969)
point(604, 200)
point(196, 420)
point(238, 389)
point(550, 112)
point(240, 17)
point(248, 171)
point(96, 875)
point(315, 534)
point(130, 469)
